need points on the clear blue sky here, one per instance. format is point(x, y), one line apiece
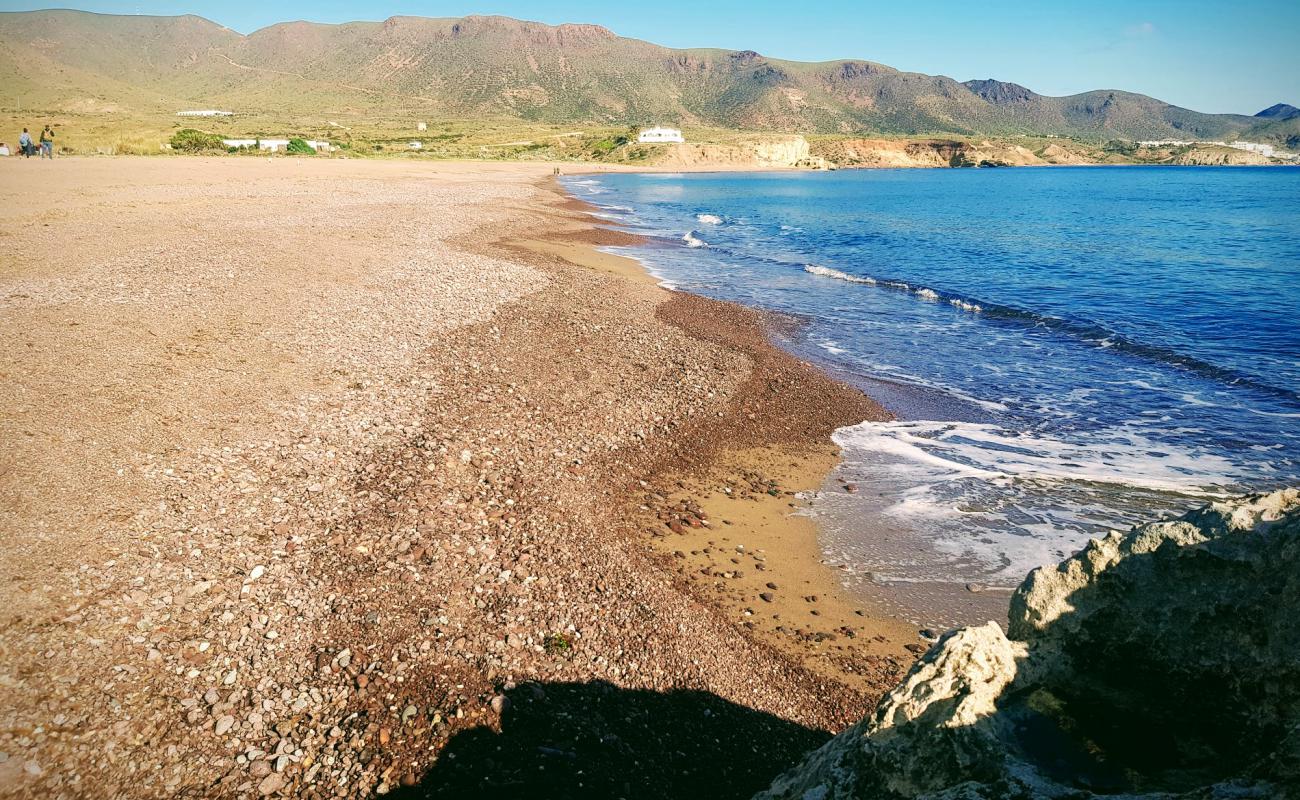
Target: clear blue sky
point(1211, 56)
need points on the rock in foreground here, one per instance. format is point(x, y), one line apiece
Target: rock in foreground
point(1161, 663)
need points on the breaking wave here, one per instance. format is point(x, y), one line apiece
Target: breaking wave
point(827, 272)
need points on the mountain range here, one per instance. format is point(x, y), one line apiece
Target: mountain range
point(497, 67)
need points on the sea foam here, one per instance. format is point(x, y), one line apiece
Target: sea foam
point(827, 272)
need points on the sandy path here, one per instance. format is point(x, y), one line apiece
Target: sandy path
point(304, 485)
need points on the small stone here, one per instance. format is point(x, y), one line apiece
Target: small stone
point(230, 677)
point(500, 703)
point(260, 769)
point(766, 597)
point(256, 573)
point(211, 697)
point(224, 725)
point(271, 784)
point(345, 658)
point(384, 736)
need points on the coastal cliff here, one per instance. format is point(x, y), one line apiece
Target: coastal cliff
point(1161, 663)
point(879, 152)
point(1210, 156)
point(792, 152)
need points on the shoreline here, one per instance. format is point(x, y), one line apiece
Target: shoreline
point(908, 609)
point(734, 523)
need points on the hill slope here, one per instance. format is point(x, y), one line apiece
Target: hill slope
point(496, 66)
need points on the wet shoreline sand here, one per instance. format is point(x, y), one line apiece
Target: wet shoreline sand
point(735, 515)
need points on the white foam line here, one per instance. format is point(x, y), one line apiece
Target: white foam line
point(964, 449)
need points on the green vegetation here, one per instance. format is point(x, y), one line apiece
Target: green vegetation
point(557, 644)
point(188, 140)
point(1121, 146)
point(299, 147)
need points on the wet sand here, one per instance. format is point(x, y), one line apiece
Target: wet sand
point(733, 517)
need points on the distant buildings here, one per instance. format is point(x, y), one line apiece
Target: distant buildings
point(658, 135)
point(207, 112)
point(274, 145)
point(1266, 150)
point(414, 145)
point(1262, 149)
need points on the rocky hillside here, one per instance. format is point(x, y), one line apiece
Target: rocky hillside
point(1280, 111)
point(1162, 663)
point(486, 67)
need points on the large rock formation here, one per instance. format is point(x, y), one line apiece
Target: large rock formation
point(894, 153)
point(1161, 663)
point(766, 152)
point(1212, 156)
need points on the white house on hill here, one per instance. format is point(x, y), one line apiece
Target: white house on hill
point(658, 135)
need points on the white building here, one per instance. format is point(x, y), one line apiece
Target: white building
point(1253, 147)
point(206, 112)
point(658, 135)
point(414, 145)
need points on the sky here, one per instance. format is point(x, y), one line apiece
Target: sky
point(1221, 57)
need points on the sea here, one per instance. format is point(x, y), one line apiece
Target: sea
point(1068, 351)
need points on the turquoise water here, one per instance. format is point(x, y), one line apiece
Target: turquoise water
point(1065, 348)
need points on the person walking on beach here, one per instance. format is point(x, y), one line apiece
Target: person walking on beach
point(25, 143)
point(47, 143)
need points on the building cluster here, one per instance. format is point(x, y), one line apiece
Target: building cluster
point(1267, 150)
point(206, 112)
point(658, 135)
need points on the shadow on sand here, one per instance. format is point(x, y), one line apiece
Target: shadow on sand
point(595, 740)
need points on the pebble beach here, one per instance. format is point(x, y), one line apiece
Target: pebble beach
point(329, 478)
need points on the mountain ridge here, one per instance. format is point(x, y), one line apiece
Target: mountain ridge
point(494, 66)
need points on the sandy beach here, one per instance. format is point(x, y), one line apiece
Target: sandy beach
point(329, 478)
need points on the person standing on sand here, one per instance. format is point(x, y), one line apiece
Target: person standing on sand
point(47, 143)
point(25, 143)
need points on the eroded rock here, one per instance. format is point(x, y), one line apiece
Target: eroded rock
point(1161, 663)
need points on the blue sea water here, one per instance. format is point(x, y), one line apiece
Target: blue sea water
point(1066, 349)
